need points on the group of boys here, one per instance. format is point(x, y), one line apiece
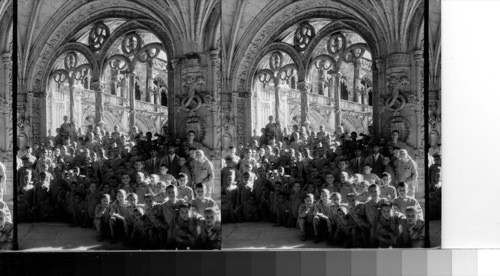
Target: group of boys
point(141, 194)
point(353, 192)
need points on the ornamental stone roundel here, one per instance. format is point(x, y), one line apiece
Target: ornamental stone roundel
point(98, 34)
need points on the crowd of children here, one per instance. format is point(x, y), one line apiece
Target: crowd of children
point(353, 192)
point(148, 193)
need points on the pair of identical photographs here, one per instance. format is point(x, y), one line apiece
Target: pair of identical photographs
point(220, 124)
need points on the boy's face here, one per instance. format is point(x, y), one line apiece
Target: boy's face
point(386, 180)
point(182, 161)
point(210, 219)
point(296, 187)
point(311, 188)
point(171, 194)
point(351, 201)
point(343, 165)
point(182, 181)
point(106, 189)
point(367, 170)
point(411, 217)
point(121, 197)
point(358, 178)
point(308, 201)
point(78, 198)
point(138, 166)
point(132, 200)
point(184, 213)
point(281, 198)
point(148, 202)
point(402, 191)
point(374, 192)
point(200, 192)
point(105, 201)
point(139, 177)
point(137, 214)
point(324, 196)
point(335, 199)
point(20, 198)
point(163, 170)
point(92, 187)
point(386, 161)
point(386, 211)
point(329, 178)
point(126, 179)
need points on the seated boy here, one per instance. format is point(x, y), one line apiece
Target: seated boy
point(169, 211)
point(159, 229)
point(187, 228)
point(91, 200)
point(321, 213)
point(282, 211)
point(184, 191)
point(212, 230)
point(165, 177)
point(388, 225)
point(370, 213)
point(102, 216)
point(141, 230)
point(78, 210)
point(386, 190)
point(413, 229)
point(368, 175)
point(403, 201)
point(201, 202)
point(118, 213)
point(296, 198)
point(343, 226)
point(244, 193)
point(306, 215)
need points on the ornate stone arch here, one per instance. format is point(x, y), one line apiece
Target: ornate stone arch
point(283, 19)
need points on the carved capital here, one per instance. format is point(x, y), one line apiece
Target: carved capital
point(97, 86)
point(174, 62)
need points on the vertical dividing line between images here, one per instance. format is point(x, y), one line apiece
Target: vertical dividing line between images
point(14, 120)
point(426, 122)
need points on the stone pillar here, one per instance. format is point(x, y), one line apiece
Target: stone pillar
point(131, 89)
point(355, 93)
point(77, 108)
point(304, 102)
point(98, 88)
point(72, 85)
point(377, 90)
point(419, 109)
point(277, 99)
point(6, 103)
point(114, 76)
point(338, 113)
point(321, 79)
point(149, 81)
point(124, 87)
point(216, 90)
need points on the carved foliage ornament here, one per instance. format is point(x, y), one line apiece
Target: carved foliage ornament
point(98, 35)
point(396, 101)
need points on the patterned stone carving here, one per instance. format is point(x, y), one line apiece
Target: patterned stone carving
point(303, 35)
point(399, 123)
point(98, 35)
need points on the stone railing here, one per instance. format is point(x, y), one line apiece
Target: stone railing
point(353, 106)
point(114, 100)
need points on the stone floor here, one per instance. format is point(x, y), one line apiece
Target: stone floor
point(261, 235)
point(55, 236)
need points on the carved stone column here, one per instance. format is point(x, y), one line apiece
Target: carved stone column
point(321, 79)
point(6, 102)
point(77, 113)
point(304, 102)
point(355, 88)
point(72, 86)
point(149, 81)
point(378, 103)
point(98, 88)
point(276, 99)
point(114, 77)
point(338, 113)
point(216, 90)
point(131, 89)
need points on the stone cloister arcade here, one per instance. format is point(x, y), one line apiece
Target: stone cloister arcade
point(150, 65)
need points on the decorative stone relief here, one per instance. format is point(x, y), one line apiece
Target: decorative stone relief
point(399, 123)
